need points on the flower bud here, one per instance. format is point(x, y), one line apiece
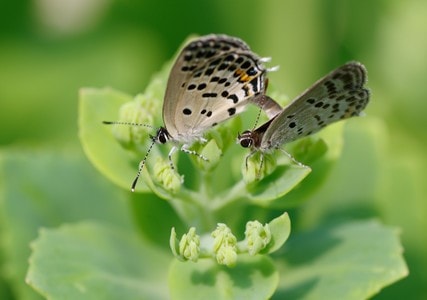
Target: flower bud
point(257, 236)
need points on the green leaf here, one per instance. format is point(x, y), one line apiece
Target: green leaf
point(99, 144)
point(213, 153)
point(283, 179)
point(353, 187)
point(280, 228)
point(116, 150)
point(252, 278)
point(342, 261)
point(5, 291)
point(319, 152)
point(46, 189)
point(91, 260)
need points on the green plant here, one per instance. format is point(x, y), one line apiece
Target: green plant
point(106, 256)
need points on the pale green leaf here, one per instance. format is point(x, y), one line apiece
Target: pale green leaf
point(99, 144)
point(342, 261)
point(252, 278)
point(280, 228)
point(46, 189)
point(283, 179)
point(91, 260)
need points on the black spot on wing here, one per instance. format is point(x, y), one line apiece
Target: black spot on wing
point(201, 86)
point(209, 95)
point(246, 64)
point(186, 111)
point(251, 71)
point(234, 98)
point(231, 111)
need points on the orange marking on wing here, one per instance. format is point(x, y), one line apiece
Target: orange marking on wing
point(244, 77)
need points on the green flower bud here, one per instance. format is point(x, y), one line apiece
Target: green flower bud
point(227, 255)
point(225, 245)
point(257, 236)
point(166, 176)
point(257, 166)
point(131, 135)
point(188, 248)
point(151, 104)
point(189, 245)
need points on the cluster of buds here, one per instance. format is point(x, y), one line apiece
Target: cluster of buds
point(222, 244)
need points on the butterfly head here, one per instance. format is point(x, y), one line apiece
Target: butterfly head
point(162, 136)
point(247, 139)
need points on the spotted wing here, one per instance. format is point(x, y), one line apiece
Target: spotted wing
point(213, 79)
point(339, 95)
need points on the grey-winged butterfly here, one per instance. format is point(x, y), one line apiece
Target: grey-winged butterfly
point(339, 95)
point(212, 80)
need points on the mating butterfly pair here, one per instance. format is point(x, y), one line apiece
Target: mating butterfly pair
point(216, 76)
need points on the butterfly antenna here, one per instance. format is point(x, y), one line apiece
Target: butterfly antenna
point(257, 119)
point(141, 166)
point(126, 123)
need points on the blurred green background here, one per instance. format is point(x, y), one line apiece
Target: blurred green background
point(49, 49)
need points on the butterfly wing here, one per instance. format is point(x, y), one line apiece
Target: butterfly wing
point(339, 95)
point(213, 79)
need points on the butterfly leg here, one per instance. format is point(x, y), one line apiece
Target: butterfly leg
point(258, 175)
point(247, 158)
point(292, 158)
point(192, 152)
point(261, 164)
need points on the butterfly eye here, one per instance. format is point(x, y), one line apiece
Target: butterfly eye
point(162, 136)
point(246, 142)
point(162, 139)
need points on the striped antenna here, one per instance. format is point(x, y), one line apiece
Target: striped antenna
point(141, 166)
point(125, 123)
point(257, 119)
point(142, 163)
point(268, 105)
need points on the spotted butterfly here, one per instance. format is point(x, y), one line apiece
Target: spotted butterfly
point(339, 95)
point(213, 79)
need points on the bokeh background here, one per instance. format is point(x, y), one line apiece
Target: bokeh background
point(49, 49)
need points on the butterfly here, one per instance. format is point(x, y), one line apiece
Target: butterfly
point(339, 95)
point(213, 79)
